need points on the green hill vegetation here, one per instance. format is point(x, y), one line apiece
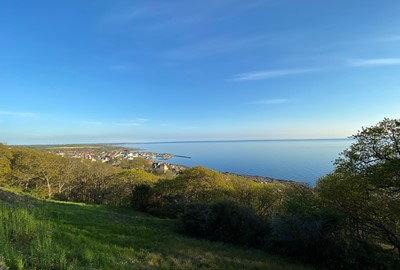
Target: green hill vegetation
point(84, 215)
point(39, 234)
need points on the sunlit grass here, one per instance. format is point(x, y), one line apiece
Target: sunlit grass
point(52, 235)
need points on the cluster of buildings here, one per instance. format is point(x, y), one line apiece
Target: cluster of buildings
point(112, 155)
point(115, 158)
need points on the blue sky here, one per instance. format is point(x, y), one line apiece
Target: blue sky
point(134, 71)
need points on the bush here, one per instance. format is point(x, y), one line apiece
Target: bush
point(306, 229)
point(301, 236)
point(223, 221)
point(141, 197)
point(171, 197)
point(302, 227)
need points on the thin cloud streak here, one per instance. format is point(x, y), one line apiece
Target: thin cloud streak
point(170, 15)
point(392, 38)
point(135, 123)
point(19, 114)
point(374, 62)
point(220, 45)
point(269, 74)
point(142, 120)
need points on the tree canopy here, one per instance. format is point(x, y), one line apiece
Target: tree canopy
point(365, 187)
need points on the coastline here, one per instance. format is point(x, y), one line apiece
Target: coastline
point(262, 179)
point(128, 152)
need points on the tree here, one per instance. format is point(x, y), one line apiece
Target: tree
point(198, 184)
point(36, 169)
point(5, 161)
point(365, 187)
point(373, 146)
point(264, 200)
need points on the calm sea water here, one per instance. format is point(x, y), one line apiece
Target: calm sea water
point(299, 160)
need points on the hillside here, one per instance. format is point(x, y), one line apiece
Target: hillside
point(40, 234)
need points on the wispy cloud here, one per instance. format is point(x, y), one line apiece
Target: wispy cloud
point(176, 14)
point(276, 101)
point(389, 38)
point(142, 120)
point(127, 124)
point(134, 123)
point(269, 74)
point(374, 62)
point(219, 45)
point(19, 114)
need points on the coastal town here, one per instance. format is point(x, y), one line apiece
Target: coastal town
point(155, 162)
point(117, 155)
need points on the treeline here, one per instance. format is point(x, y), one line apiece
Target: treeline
point(48, 175)
point(350, 220)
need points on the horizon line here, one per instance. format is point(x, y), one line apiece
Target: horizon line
point(187, 141)
point(234, 140)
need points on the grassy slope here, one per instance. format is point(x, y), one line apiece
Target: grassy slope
point(80, 236)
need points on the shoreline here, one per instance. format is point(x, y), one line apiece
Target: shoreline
point(154, 156)
point(262, 179)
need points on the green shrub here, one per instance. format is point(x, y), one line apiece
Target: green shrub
point(141, 197)
point(223, 221)
point(305, 229)
point(171, 197)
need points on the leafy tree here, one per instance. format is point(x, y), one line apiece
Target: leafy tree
point(373, 146)
point(5, 161)
point(305, 228)
point(365, 187)
point(95, 181)
point(198, 184)
point(136, 163)
point(121, 186)
point(35, 169)
point(303, 225)
point(264, 200)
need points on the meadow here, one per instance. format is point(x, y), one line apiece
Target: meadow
point(43, 234)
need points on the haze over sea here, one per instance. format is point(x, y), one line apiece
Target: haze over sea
point(299, 160)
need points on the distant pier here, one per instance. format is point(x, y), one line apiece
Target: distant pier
point(181, 156)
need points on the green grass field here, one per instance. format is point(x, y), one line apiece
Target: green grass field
point(52, 235)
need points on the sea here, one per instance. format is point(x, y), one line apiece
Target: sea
point(298, 160)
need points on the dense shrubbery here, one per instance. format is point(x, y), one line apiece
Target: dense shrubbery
point(302, 226)
point(224, 221)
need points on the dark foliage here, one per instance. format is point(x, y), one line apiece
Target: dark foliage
point(224, 221)
point(141, 197)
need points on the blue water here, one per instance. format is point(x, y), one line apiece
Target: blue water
point(299, 160)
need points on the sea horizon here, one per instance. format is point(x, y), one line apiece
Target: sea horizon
point(229, 140)
point(301, 160)
point(179, 141)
